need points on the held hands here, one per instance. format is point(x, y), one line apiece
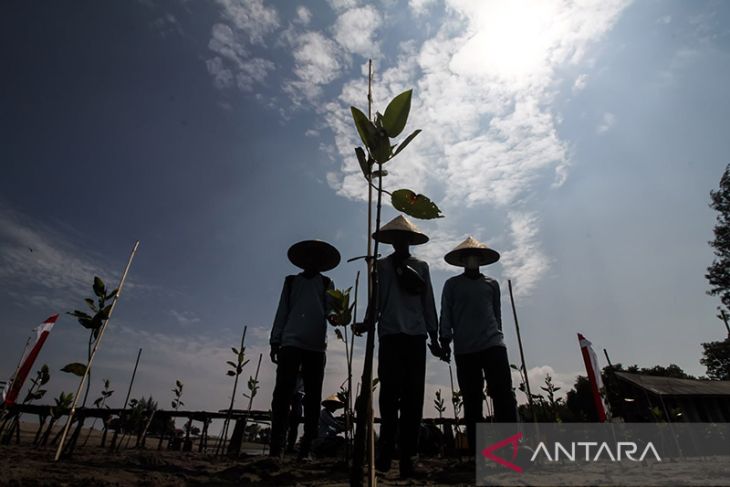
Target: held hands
point(445, 350)
point(434, 346)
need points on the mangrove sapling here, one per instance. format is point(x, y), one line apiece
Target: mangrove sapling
point(377, 136)
point(235, 371)
point(61, 407)
point(101, 307)
point(440, 405)
point(42, 376)
point(252, 385)
point(100, 403)
point(97, 325)
point(456, 402)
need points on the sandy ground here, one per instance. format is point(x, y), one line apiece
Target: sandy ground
point(24, 465)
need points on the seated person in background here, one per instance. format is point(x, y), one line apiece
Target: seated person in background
point(329, 443)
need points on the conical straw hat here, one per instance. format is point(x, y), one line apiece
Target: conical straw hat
point(399, 227)
point(314, 254)
point(334, 400)
point(471, 246)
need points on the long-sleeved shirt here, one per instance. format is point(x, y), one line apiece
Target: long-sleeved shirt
point(301, 317)
point(400, 311)
point(329, 426)
point(471, 313)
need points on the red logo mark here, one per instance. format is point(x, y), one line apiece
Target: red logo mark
point(514, 440)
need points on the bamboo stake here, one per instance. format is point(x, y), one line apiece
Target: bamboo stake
point(134, 373)
point(522, 353)
point(348, 355)
point(224, 432)
point(71, 412)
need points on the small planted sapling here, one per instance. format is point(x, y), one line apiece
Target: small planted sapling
point(100, 403)
point(380, 147)
point(236, 367)
point(42, 376)
point(100, 305)
point(177, 398)
point(61, 406)
point(34, 393)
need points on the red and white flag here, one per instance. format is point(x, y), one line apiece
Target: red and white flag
point(594, 376)
point(10, 393)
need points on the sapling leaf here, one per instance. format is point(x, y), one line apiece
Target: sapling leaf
point(396, 114)
point(380, 148)
point(79, 314)
point(415, 205)
point(234, 350)
point(363, 161)
point(173, 404)
point(230, 372)
point(91, 303)
point(406, 141)
point(178, 384)
point(74, 368)
point(99, 287)
point(232, 364)
point(382, 173)
point(45, 374)
point(338, 334)
point(112, 294)
point(104, 313)
point(365, 127)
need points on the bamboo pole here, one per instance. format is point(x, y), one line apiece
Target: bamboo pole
point(131, 381)
point(349, 350)
point(71, 412)
point(522, 353)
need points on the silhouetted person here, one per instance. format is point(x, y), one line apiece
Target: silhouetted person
point(471, 316)
point(299, 339)
point(406, 315)
point(329, 443)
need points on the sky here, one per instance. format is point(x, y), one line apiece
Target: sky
point(579, 139)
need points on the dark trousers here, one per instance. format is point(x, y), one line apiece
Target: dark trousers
point(402, 374)
point(471, 370)
point(291, 359)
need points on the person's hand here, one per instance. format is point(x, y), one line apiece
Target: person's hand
point(435, 348)
point(360, 328)
point(446, 351)
point(274, 354)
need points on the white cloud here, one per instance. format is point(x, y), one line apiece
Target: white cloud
point(580, 83)
point(304, 15)
point(355, 30)
point(232, 64)
point(608, 120)
point(525, 263)
point(340, 5)
point(184, 318)
point(421, 7)
point(317, 62)
point(484, 88)
point(251, 17)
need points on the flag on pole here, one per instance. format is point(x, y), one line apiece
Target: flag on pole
point(10, 393)
point(594, 376)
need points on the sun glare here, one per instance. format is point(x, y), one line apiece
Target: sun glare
point(510, 40)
